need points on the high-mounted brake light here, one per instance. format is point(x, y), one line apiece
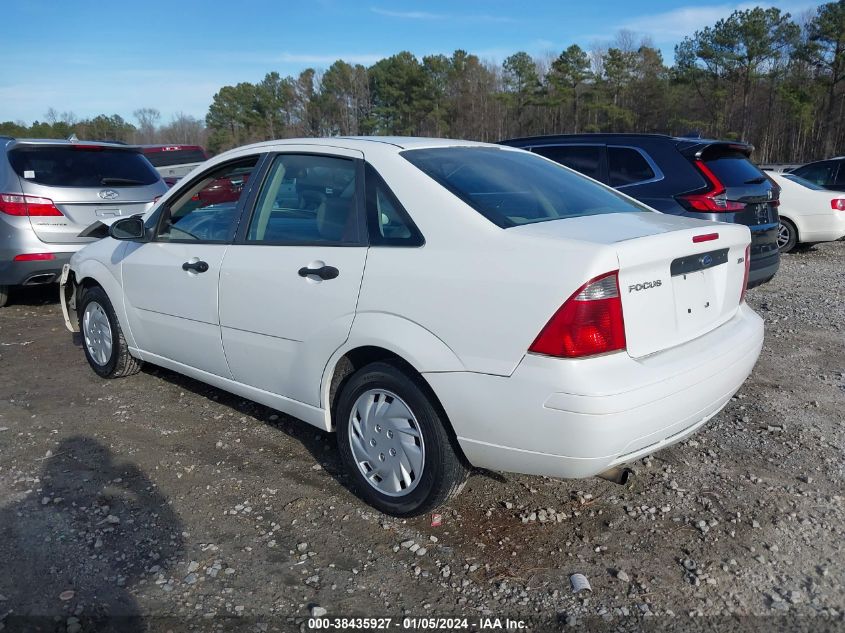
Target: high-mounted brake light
point(713, 200)
point(34, 257)
point(707, 237)
point(745, 275)
point(589, 322)
point(17, 204)
point(838, 204)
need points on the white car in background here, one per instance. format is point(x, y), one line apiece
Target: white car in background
point(809, 213)
point(440, 304)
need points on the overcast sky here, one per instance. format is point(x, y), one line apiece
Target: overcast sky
point(92, 57)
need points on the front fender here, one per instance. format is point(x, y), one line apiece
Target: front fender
point(96, 271)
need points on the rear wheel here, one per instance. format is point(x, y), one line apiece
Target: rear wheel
point(787, 236)
point(102, 339)
point(4, 295)
point(393, 441)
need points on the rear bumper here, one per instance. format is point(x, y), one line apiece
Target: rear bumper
point(32, 273)
point(765, 256)
point(569, 419)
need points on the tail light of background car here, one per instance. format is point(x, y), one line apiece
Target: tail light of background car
point(745, 275)
point(838, 204)
point(17, 204)
point(589, 322)
point(715, 199)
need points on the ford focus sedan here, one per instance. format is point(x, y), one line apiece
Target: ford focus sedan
point(440, 305)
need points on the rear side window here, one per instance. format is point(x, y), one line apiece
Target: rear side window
point(167, 157)
point(840, 179)
point(389, 224)
point(511, 187)
point(627, 166)
point(734, 169)
point(583, 158)
point(80, 166)
point(820, 173)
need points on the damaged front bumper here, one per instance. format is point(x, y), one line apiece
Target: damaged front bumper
point(67, 298)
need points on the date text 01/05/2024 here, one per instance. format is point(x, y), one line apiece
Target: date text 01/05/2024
point(423, 623)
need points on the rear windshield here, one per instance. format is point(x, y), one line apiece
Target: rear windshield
point(734, 169)
point(82, 167)
point(165, 158)
point(510, 188)
point(803, 182)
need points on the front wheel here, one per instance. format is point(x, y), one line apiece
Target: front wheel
point(102, 339)
point(787, 236)
point(393, 441)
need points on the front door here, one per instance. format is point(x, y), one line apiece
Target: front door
point(289, 285)
point(170, 282)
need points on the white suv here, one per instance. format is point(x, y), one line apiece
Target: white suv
point(440, 304)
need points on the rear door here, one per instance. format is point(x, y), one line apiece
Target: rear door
point(82, 184)
point(289, 285)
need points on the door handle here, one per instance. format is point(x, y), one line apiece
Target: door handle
point(324, 272)
point(197, 266)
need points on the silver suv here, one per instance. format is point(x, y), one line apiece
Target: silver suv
point(51, 190)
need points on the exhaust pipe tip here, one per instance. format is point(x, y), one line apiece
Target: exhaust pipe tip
point(619, 475)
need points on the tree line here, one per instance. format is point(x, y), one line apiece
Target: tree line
point(759, 75)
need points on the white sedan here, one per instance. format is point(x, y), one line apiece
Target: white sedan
point(441, 305)
point(809, 213)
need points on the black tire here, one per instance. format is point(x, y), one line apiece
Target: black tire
point(444, 472)
point(120, 363)
point(787, 228)
point(4, 295)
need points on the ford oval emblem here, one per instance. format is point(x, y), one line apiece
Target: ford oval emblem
point(109, 194)
point(705, 260)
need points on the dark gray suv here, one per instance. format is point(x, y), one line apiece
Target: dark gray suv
point(51, 190)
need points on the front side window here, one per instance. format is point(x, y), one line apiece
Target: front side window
point(583, 158)
point(207, 211)
point(511, 187)
point(307, 199)
point(627, 166)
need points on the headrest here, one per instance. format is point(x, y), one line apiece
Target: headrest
point(332, 218)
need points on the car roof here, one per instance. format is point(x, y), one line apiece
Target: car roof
point(362, 143)
point(58, 142)
point(692, 145)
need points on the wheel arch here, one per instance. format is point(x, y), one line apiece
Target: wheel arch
point(92, 272)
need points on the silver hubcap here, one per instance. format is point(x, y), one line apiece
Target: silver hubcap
point(783, 235)
point(97, 332)
point(386, 442)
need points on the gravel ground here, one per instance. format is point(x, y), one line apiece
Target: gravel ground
point(174, 505)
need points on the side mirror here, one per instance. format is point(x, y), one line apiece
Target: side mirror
point(128, 229)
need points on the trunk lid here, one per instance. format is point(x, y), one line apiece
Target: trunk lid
point(673, 289)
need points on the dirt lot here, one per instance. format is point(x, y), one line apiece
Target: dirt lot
point(180, 506)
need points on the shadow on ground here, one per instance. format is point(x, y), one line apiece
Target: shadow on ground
point(87, 531)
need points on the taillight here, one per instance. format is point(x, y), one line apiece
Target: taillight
point(745, 276)
point(588, 323)
point(713, 200)
point(17, 204)
point(34, 257)
point(838, 204)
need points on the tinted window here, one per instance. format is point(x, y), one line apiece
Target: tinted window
point(803, 182)
point(583, 158)
point(512, 187)
point(208, 210)
point(389, 224)
point(734, 169)
point(820, 173)
point(307, 199)
point(81, 166)
point(164, 158)
point(840, 179)
point(627, 166)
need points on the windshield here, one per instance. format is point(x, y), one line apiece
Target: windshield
point(79, 166)
point(511, 188)
point(803, 182)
